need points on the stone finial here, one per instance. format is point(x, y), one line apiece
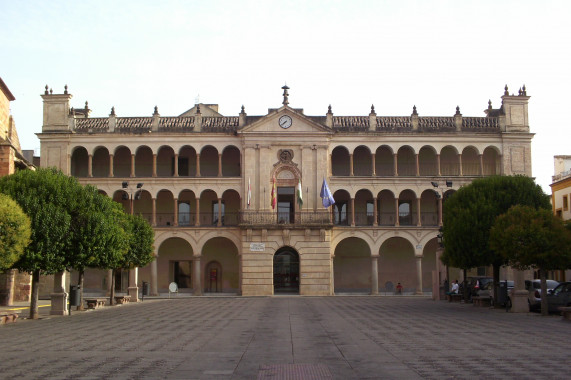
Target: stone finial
point(414, 110)
point(46, 92)
point(72, 111)
point(198, 108)
point(519, 92)
point(65, 89)
point(372, 108)
point(51, 91)
point(506, 93)
point(286, 101)
point(156, 111)
point(112, 111)
point(242, 110)
point(86, 106)
point(329, 109)
point(489, 104)
point(524, 92)
point(457, 110)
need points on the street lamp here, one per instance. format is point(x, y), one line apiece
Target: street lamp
point(129, 196)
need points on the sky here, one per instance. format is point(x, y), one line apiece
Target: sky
point(135, 55)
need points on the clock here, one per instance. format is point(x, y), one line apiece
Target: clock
point(285, 121)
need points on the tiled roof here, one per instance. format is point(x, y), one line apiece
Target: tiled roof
point(220, 124)
point(85, 125)
point(351, 123)
point(176, 124)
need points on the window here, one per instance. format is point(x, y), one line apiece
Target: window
point(405, 215)
point(565, 203)
point(215, 212)
point(340, 213)
point(183, 214)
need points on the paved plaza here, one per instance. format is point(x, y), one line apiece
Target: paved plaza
point(288, 337)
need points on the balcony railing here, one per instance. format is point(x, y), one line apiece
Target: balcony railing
point(284, 218)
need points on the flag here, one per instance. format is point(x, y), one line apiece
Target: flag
point(249, 193)
point(299, 194)
point(273, 192)
point(326, 196)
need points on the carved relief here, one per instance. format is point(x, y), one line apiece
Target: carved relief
point(285, 156)
point(285, 174)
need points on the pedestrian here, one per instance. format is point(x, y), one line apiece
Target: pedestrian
point(399, 288)
point(455, 288)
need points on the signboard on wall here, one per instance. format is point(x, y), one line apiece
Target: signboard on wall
point(257, 247)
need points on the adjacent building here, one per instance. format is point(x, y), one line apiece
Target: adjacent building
point(236, 201)
point(560, 197)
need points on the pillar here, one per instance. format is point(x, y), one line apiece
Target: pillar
point(519, 295)
point(374, 275)
point(132, 165)
point(460, 164)
point(111, 166)
point(332, 275)
point(90, 165)
point(197, 222)
point(352, 212)
point(154, 211)
point(351, 165)
point(397, 222)
point(219, 164)
point(219, 224)
point(418, 222)
point(440, 210)
point(133, 289)
point(396, 166)
point(59, 295)
point(438, 164)
point(198, 165)
point(417, 165)
point(481, 157)
point(154, 291)
point(175, 223)
point(154, 165)
point(197, 276)
point(418, 275)
point(375, 213)
point(373, 165)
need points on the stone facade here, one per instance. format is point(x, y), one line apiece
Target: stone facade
point(205, 182)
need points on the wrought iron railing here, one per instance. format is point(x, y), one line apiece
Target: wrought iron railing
point(285, 218)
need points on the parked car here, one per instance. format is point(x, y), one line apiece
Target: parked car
point(534, 289)
point(475, 284)
point(560, 296)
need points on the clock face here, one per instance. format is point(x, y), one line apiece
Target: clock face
point(285, 121)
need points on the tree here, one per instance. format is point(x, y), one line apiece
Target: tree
point(527, 237)
point(15, 231)
point(469, 214)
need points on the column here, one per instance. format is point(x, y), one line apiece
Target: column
point(330, 164)
point(240, 268)
point(132, 165)
point(396, 168)
point(154, 291)
point(352, 212)
point(375, 213)
point(59, 295)
point(133, 289)
point(418, 274)
point(154, 165)
point(460, 164)
point(440, 211)
point(332, 275)
point(397, 222)
point(351, 165)
point(197, 222)
point(481, 157)
point(175, 174)
point(196, 272)
point(373, 165)
point(438, 163)
point(418, 222)
point(90, 165)
point(175, 212)
point(417, 165)
point(198, 165)
point(374, 275)
point(154, 211)
point(219, 224)
point(111, 166)
point(219, 164)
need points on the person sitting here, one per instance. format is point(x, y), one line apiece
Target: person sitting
point(455, 288)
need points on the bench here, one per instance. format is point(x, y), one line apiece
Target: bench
point(566, 312)
point(454, 297)
point(9, 316)
point(95, 303)
point(120, 300)
point(482, 301)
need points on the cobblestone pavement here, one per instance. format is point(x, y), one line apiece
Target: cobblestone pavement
point(288, 337)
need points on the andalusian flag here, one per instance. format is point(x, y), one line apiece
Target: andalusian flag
point(299, 194)
point(274, 192)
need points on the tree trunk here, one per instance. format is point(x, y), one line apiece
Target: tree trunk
point(543, 285)
point(80, 283)
point(496, 270)
point(112, 290)
point(34, 296)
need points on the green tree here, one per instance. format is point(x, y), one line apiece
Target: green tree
point(141, 238)
point(527, 237)
point(469, 214)
point(15, 232)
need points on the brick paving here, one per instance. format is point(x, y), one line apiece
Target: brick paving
point(288, 338)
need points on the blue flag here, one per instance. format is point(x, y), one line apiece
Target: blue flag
point(326, 195)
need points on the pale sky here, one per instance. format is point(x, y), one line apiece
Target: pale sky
point(436, 55)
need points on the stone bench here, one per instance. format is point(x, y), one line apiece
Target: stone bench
point(566, 312)
point(95, 303)
point(454, 297)
point(120, 300)
point(9, 316)
point(482, 301)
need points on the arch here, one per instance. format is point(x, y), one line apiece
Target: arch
point(384, 161)
point(209, 161)
point(427, 161)
point(396, 263)
point(186, 208)
point(79, 162)
point(428, 263)
point(164, 206)
point(208, 208)
point(187, 161)
point(100, 162)
point(174, 264)
point(231, 161)
point(386, 208)
point(406, 161)
point(449, 164)
point(340, 162)
point(364, 208)
point(121, 197)
point(231, 211)
point(122, 162)
point(408, 215)
point(165, 162)
point(341, 208)
point(220, 254)
point(144, 162)
point(429, 208)
point(352, 266)
point(362, 161)
point(470, 161)
point(492, 161)
point(286, 265)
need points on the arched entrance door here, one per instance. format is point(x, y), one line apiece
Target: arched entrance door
point(286, 271)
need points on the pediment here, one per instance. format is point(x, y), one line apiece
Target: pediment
point(286, 120)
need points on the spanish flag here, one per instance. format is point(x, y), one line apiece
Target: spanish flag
point(274, 192)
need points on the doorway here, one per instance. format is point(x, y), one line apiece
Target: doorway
point(286, 204)
point(213, 283)
point(286, 272)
